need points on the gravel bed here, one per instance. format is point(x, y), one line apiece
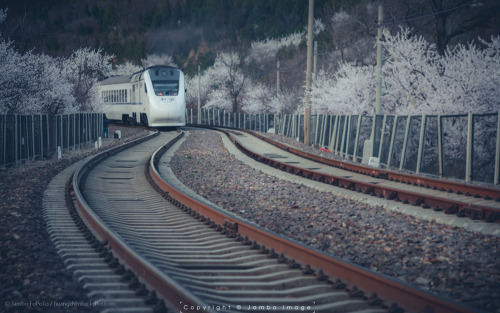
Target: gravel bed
point(445, 260)
point(33, 277)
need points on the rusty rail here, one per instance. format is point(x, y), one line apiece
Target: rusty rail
point(386, 288)
point(426, 201)
point(165, 287)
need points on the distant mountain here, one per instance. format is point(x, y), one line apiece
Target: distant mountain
point(131, 29)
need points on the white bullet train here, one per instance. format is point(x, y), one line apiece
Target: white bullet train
point(153, 97)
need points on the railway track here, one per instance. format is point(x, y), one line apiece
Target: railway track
point(464, 200)
point(192, 254)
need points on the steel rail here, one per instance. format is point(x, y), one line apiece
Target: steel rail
point(386, 288)
point(426, 201)
point(165, 287)
point(417, 180)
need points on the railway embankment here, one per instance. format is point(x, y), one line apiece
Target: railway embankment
point(32, 275)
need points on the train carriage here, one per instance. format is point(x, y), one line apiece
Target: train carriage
point(153, 97)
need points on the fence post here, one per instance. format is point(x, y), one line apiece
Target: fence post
point(497, 154)
point(391, 145)
point(338, 139)
point(324, 128)
point(384, 120)
point(423, 123)
point(48, 135)
point(405, 143)
point(33, 135)
point(468, 160)
point(356, 140)
point(333, 135)
point(62, 131)
point(4, 141)
point(74, 130)
point(16, 139)
point(348, 139)
point(440, 147)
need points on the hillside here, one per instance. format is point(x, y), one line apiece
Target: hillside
point(131, 29)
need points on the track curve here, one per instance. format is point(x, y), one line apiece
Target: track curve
point(216, 261)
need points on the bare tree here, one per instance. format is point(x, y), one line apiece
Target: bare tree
point(448, 22)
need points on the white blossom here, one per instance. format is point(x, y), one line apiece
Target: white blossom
point(82, 70)
point(158, 59)
point(12, 79)
point(415, 80)
point(350, 90)
point(226, 77)
point(219, 99)
point(258, 99)
point(267, 49)
point(126, 68)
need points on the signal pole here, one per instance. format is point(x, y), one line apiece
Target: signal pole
point(308, 72)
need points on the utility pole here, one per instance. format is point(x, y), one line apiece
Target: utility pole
point(199, 96)
point(378, 72)
point(315, 62)
point(308, 72)
point(315, 74)
point(278, 79)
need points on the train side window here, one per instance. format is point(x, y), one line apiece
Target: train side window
point(145, 88)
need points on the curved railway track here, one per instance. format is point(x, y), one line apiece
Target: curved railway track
point(198, 257)
point(464, 200)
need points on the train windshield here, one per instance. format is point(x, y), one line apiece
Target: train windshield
point(166, 87)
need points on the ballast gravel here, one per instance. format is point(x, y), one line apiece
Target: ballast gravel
point(442, 259)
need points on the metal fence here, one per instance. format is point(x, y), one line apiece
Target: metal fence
point(26, 137)
point(464, 147)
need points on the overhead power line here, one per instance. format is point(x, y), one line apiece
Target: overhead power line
point(431, 14)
